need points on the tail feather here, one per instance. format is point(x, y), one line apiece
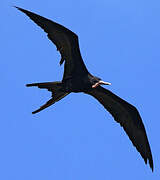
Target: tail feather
point(55, 88)
point(47, 85)
point(48, 103)
point(56, 98)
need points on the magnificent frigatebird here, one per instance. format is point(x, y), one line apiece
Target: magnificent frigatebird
point(76, 78)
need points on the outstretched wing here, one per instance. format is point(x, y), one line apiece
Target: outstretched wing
point(128, 117)
point(66, 42)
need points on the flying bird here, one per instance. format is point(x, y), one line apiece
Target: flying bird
point(76, 78)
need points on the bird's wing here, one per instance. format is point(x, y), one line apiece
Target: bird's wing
point(66, 42)
point(128, 117)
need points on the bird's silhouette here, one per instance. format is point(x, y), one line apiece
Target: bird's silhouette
point(76, 78)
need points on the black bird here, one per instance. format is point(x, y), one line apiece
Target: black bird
point(76, 78)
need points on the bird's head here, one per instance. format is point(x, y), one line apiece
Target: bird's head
point(97, 81)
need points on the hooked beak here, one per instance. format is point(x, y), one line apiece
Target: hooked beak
point(104, 83)
point(99, 83)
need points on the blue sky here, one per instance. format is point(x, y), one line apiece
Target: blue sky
point(76, 138)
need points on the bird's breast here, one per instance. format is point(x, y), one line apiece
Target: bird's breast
point(77, 84)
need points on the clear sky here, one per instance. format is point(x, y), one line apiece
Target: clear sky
point(77, 138)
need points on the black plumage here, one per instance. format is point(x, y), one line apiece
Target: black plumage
point(76, 78)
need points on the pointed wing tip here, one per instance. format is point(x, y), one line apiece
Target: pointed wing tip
point(21, 9)
point(17, 7)
point(149, 161)
point(151, 164)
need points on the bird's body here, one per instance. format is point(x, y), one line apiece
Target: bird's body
point(80, 83)
point(77, 84)
point(76, 78)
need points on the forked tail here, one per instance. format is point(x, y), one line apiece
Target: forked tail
point(55, 88)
